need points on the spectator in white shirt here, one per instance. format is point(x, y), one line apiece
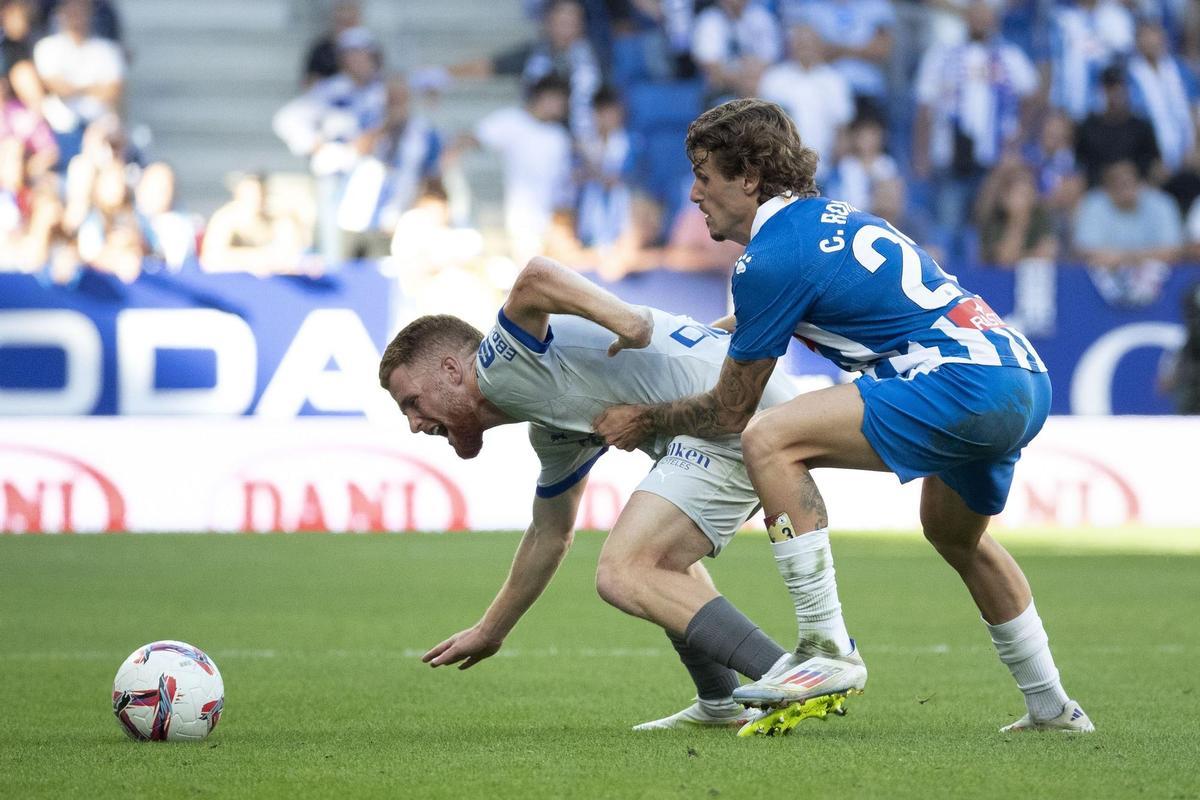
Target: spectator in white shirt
point(84, 74)
point(970, 106)
point(814, 94)
point(566, 52)
point(1158, 92)
point(858, 41)
point(170, 234)
point(398, 157)
point(535, 151)
point(325, 123)
point(111, 238)
point(944, 25)
point(1085, 37)
point(733, 42)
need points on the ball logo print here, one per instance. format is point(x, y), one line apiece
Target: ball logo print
point(200, 657)
point(168, 691)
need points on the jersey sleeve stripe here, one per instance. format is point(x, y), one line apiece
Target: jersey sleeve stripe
point(558, 487)
point(524, 337)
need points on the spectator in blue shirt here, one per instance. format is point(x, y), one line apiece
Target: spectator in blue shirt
point(606, 158)
point(1128, 233)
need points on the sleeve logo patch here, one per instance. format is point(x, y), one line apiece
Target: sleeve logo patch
point(975, 313)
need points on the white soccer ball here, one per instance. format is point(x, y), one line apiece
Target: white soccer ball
point(168, 691)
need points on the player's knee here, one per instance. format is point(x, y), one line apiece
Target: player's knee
point(758, 443)
point(956, 551)
point(612, 583)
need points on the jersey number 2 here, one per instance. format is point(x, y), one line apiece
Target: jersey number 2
point(910, 266)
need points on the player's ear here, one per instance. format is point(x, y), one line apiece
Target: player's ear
point(453, 369)
point(751, 184)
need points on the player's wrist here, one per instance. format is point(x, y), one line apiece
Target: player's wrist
point(493, 632)
point(637, 325)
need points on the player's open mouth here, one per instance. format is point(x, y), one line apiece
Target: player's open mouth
point(438, 430)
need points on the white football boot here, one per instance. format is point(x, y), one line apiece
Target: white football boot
point(800, 686)
point(697, 716)
point(1071, 720)
point(797, 677)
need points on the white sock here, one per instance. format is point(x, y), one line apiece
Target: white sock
point(1025, 649)
point(806, 564)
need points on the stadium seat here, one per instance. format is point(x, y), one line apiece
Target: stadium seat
point(664, 163)
point(628, 60)
point(655, 105)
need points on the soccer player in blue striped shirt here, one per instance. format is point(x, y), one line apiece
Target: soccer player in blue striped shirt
point(947, 392)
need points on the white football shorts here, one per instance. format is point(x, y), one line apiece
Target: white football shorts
point(706, 482)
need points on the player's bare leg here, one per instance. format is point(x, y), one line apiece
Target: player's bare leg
point(816, 429)
point(960, 536)
point(649, 568)
point(1005, 602)
point(643, 568)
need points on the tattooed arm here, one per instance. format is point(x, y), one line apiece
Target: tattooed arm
point(724, 409)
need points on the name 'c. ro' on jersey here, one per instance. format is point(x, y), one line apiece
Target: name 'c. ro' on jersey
point(862, 294)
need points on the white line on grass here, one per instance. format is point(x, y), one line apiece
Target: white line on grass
point(572, 652)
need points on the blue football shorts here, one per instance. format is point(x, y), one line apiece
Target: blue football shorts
point(964, 423)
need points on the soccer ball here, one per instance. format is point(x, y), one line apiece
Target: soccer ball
point(168, 691)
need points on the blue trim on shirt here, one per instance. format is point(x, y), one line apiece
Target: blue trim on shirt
point(555, 489)
point(523, 336)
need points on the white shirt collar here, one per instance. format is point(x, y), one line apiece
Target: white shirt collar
point(770, 209)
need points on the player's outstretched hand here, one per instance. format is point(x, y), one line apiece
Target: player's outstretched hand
point(470, 647)
point(636, 334)
point(623, 427)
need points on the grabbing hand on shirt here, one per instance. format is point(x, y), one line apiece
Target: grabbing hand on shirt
point(623, 427)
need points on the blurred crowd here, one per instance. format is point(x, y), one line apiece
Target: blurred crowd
point(1019, 133)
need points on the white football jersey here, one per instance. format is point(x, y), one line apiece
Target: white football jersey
point(563, 383)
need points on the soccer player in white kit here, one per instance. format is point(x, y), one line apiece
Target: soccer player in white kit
point(558, 373)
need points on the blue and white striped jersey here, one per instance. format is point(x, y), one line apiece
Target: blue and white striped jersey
point(862, 294)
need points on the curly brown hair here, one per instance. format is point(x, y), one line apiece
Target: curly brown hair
point(754, 137)
point(443, 332)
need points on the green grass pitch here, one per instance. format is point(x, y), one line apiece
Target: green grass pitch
point(319, 637)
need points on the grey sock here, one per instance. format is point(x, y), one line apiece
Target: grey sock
point(728, 637)
point(713, 681)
